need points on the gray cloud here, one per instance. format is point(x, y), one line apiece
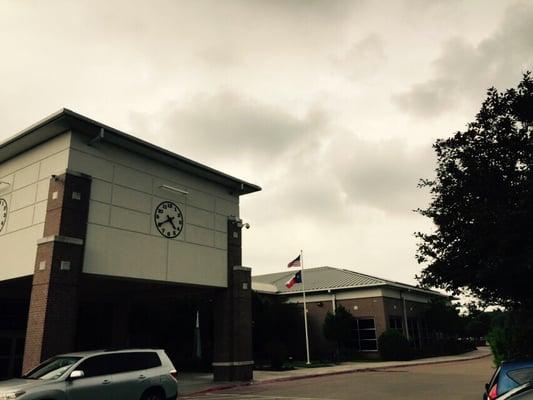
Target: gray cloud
point(463, 71)
point(229, 126)
point(364, 58)
point(312, 169)
point(429, 98)
point(253, 88)
point(382, 175)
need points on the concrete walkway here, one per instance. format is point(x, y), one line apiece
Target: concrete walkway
point(196, 383)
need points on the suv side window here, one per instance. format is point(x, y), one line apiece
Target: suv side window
point(149, 360)
point(96, 366)
point(135, 361)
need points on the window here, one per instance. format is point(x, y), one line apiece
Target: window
point(521, 375)
point(396, 323)
point(414, 332)
point(96, 366)
point(52, 369)
point(366, 334)
point(135, 361)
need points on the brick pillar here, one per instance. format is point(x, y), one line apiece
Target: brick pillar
point(233, 317)
point(54, 300)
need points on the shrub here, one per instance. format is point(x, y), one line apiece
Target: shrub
point(511, 337)
point(394, 346)
point(447, 347)
point(338, 328)
point(277, 352)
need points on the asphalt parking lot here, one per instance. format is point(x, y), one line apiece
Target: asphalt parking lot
point(462, 380)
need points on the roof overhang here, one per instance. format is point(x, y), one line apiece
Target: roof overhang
point(67, 120)
point(396, 286)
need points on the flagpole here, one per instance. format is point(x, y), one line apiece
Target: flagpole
point(305, 308)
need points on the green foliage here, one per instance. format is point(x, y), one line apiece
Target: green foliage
point(478, 322)
point(277, 330)
point(447, 347)
point(482, 204)
point(393, 346)
point(443, 317)
point(511, 336)
point(339, 327)
point(277, 351)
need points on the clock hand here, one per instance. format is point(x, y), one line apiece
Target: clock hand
point(171, 220)
point(159, 224)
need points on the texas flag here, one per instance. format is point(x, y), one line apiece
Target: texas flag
point(296, 278)
point(295, 263)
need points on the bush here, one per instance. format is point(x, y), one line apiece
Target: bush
point(511, 337)
point(338, 328)
point(447, 347)
point(277, 352)
point(278, 330)
point(393, 346)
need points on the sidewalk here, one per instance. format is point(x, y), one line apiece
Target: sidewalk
point(191, 383)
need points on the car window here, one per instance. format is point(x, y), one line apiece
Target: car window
point(136, 361)
point(149, 360)
point(96, 366)
point(52, 369)
point(521, 375)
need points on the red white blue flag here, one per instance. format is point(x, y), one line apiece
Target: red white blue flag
point(296, 278)
point(295, 263)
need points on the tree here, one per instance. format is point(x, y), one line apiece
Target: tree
point(482, 204)
point(478, 321)
point(339, 328)
point(444, 318)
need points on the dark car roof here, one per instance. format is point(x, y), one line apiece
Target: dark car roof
point(517, 363)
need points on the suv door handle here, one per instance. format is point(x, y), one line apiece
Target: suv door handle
point(106, 382)
point(142, 377)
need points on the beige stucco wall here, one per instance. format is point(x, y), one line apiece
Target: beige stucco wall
point(122, 239)
point(28, 176)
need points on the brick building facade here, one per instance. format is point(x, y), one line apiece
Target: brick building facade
point(377, 304)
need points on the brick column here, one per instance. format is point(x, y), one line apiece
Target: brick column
point(233, 316)
point(54, 300)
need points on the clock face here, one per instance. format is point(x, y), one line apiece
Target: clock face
point(3, 214)
point(168, 219)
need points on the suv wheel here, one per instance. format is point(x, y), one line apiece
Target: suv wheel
point(154, 394)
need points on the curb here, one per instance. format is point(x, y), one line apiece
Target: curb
point(332, 373)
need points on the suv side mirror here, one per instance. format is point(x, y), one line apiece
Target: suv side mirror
point(77, 374)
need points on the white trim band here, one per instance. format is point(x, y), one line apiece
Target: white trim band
point(241, 268)
point(60, 239)
point(173, 189)
point(233, 363)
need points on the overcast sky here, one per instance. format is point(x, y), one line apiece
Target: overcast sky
point(330, 106)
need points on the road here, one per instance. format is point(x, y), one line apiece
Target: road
point(451, 381)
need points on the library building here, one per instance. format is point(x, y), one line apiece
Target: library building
point(107, 241)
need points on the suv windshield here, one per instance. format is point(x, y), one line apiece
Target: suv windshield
point(52, 369)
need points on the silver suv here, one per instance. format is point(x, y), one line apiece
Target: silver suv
point(98, 375)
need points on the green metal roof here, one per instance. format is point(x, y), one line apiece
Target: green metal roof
point(329, 278)
point(65, 120)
